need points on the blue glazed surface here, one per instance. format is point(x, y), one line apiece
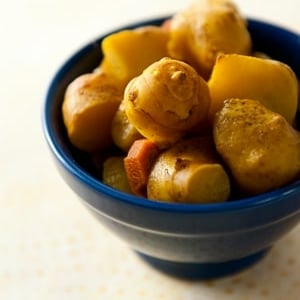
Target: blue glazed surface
point(223, 237)
point(203, 270)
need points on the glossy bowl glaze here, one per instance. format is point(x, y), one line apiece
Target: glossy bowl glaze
point(194, 241)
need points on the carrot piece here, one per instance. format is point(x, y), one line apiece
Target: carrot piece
point(138, 163)
point(166, 24)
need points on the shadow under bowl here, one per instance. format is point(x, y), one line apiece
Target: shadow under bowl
point(192, 241)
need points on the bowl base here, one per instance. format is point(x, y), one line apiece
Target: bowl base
point(203, 271)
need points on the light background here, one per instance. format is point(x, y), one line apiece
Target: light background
point(50, 247)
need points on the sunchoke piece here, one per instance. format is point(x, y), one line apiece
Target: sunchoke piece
point(123, 132)
point(206, 28)
point(189, 172)
point(127, 53)
point(259, 146)
point(271, 82)
point(114, 174)
point(89, 105)
point(166, 100)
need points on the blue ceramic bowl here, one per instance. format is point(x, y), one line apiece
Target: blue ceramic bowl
point(195, 241)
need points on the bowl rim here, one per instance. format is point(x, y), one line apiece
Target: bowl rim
point(87, 179)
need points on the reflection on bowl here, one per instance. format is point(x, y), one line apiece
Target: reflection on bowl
point(195, 241)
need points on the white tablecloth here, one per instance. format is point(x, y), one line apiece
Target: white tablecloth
point(50, 246)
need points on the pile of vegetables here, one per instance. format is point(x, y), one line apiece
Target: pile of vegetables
point(196, 115)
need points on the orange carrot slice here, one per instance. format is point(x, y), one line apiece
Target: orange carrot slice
point(138, 164)
point(166, 24)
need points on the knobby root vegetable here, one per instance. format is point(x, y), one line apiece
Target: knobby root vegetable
point(166, 100)
point(189, 172)
point(89, 105)
point(259, 146)
point(206, 28)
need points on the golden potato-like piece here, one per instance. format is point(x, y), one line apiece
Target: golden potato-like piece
point(271, 82)
point(123, 132)
point(206, 28)
point(166, 100)
point(114, 174)
point(88, 108)
point(259, 146)
point(189, 172)
point(128, 52)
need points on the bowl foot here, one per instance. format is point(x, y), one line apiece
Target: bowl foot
point(203, 270)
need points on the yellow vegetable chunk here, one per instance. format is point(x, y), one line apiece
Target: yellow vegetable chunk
point(114, 174)
point(189, 172)
point(166, 100)
point(127, 53)
point(259, 146)
point(123, 132)
point(88, 108)
point(271, 82)
point(206, 28)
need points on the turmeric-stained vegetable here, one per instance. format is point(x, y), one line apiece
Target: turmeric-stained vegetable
point(206, 28)
point(195, 110)
point(138, 164)
point(189, 172)
point(259, 146)
point(89, 105)
point(114, 174)
point(166, 100)
point(123, 132)
point(127, 53)
point(271, 82)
